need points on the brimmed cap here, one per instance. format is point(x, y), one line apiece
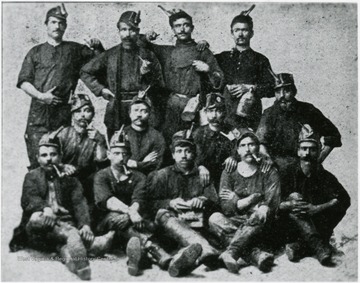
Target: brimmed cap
point(120, 139)
point(243, 17)
point(130, 18)
point(307, 134)
point(51, 139)
point(58, 12)
point(78, 101)
point(141, 97)
point(183, 137)
point(245, 133)
point(175, 14)
point(214, 100)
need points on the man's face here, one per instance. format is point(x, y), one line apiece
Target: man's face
point(242, 34)
point(48, 156)
point(128, 35)
point(82, 117)
point(285, 96)
point(308, 151)
point(139, 114)
point(182, 29)
point(184, 156)
point(56, 28)
point(246, 148)
point(215, 116)
point(118, 156)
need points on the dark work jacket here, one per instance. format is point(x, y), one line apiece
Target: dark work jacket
point(69, 194)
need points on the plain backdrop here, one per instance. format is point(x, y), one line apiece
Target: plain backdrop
point(317, 43)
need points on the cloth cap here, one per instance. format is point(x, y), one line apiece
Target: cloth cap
point(79, 100)
point(214, 100)
point(175, 14)
point(51, 139)
point(244, 17)
point(130, 18)
point(245, 133)
point(141, 97)
point(183, 137)
point(307, 134)
point(284, 79)
point(120, 139)
point(57, 12)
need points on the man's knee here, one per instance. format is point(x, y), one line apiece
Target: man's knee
point(216, 220)
point(36, 222)
point(162, 215)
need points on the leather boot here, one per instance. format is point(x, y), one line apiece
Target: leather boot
point(184, 262)
point(101, 245)
point(184, 235)
point(263, 260)
point(160, 256)
point(134, 253)
point(230, 262)
point(295, 251)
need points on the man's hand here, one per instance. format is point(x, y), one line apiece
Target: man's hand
point(132, 164)
point(145, 66)
point(151, 157)
point(107, 94)
point(266, 164)
point(136, 219)
point(94, 44)
point(86, 235)
point(204, 176)
point(151, 35)
point(48, 98)
point(202, 45)
point(226, 194)
point(68, 169)
point(201, 66)
point(49, 218)
point(259, 216)
point(197, 203)
point(178, 204)
point(230, 164)
point(239, 90)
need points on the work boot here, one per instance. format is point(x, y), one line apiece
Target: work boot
point(134, 253)
point(185, 236)
point(101, 245)
point(323, 255)
point(263, 260)
point(184, 262)
point(230, 262)
point(294, 251)
point(160, 256)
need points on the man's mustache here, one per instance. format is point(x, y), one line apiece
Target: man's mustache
point(214, 121)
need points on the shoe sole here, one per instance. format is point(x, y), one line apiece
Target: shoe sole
point(84, 273)
point(133, 251)
point(185, 263)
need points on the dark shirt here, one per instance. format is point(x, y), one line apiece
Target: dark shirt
point(143, 143)
point(45, 67)
point(247, 67)
point(69, 193)
point(212, 149)
point(170, 183)
point(279, 130)
point(267, 184)
point(128, 191)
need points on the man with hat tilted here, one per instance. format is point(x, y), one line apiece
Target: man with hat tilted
point(314, 202)
point(121, 72)
point(55, 213)
point(181, 204)
point(147, 144)
point(246, 75)
point(281, 123)
point(249, 199)
point(187, 71)
point(49, 74)
point(215, 144)
point(120, 195)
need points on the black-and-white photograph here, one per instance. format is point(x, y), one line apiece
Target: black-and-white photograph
point(172, 141)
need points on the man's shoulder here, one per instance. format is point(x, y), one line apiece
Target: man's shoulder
point(137, 175)
point(258, 55)
point(103, 173)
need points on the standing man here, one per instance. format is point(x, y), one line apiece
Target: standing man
point(246, 76)
point(249, 200)
point(55, 213)
point(281, 123)
point(49, 74)
point(121, 72)
point(147, 144)
point(215, 146)
point(187, 71)
point(180, 203)
point(314, 201)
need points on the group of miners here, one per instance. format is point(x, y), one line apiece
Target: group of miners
point(191, 171)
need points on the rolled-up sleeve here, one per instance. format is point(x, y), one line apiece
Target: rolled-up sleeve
point(102, 189)
point(27, 72)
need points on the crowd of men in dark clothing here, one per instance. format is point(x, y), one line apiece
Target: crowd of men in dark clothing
point(191, 170)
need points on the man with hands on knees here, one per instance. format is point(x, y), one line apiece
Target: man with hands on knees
point(314, 202)
point(49, 74)
point(55, 213)
point(249, 199)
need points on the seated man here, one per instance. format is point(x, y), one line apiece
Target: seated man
point(147, 144)
point(249, 199)
point(214, 143)
point(314, 201)
point(120, 193)
point(181, 202)
point(55, 212)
